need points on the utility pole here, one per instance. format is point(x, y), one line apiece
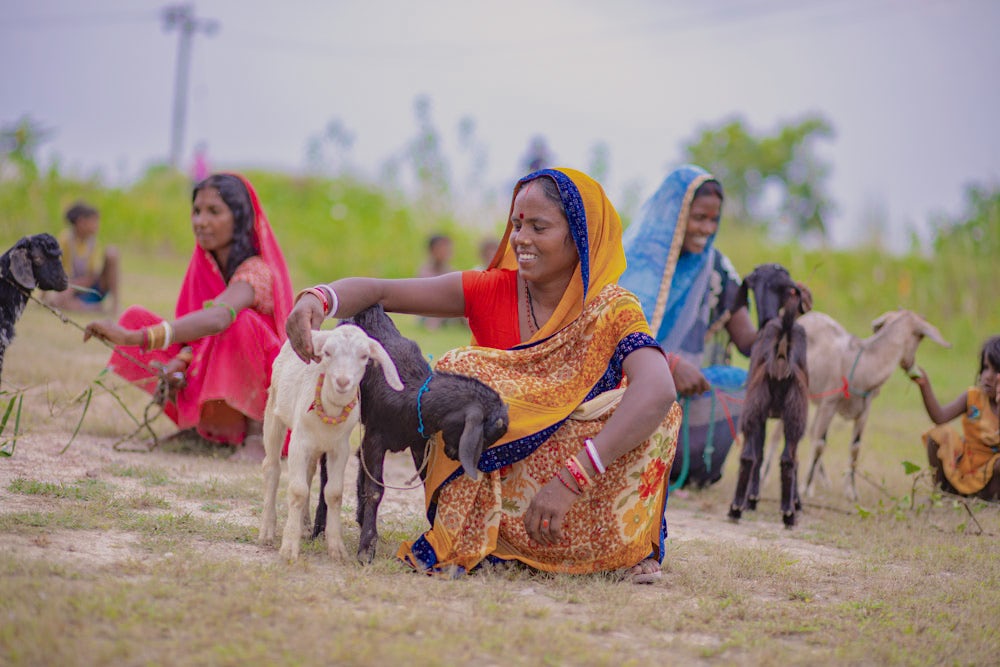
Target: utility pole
point(182, 17)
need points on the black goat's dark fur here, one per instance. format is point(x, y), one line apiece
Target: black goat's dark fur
point(470, 415)
point(777, 388)
point(33, 262)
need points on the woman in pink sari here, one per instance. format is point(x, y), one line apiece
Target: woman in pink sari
point(229, 322)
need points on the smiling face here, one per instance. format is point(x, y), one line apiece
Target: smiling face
point(540, 237)
point(212, 223)
point(703, 222)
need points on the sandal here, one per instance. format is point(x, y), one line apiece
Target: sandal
point(638, 575)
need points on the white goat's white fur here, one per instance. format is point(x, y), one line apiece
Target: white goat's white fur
point(833, 356)
point(344, 351)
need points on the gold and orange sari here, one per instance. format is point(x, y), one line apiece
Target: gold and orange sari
point(561, 386)
point(969, 458)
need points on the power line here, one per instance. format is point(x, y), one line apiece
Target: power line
point(74, 21)
point(183, 19)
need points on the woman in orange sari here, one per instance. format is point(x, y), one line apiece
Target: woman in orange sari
point(229, 322)
point(578, 483)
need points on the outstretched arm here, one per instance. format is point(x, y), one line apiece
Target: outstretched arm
point(937, 413)
point(197, 324)
point(440, 296)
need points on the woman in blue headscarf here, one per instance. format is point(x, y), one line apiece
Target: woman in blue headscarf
point(687, 289)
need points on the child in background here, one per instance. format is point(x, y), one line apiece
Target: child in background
point(487, 248)
point(93, 272)
point(439, 251)
point(967, 463)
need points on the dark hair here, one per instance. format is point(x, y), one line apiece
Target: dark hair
point(437, 238)
point(550, 188)
point(79, 210)
point(709, 188)
point(991, 353)
point(235, 195)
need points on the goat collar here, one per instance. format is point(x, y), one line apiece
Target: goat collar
point(420, 414)
point(317, 405)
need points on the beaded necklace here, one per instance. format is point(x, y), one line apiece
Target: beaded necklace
point(531, 308)
point(317, 405)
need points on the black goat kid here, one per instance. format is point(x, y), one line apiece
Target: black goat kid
point(34, 261)
point(777, 388)
point(470, 415)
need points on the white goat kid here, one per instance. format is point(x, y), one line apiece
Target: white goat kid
point(319, 403)
point(846, 374)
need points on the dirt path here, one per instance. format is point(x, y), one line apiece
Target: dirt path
point(37, 459)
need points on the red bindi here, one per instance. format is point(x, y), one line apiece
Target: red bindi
point(521, 215)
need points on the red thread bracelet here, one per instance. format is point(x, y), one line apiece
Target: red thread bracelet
point(565, 483)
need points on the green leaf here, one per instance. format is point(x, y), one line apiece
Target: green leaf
point(862, 512)
point(910, 468)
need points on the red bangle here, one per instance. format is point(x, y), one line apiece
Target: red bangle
point(316, 293)
point(672, 361)
point(144, 345)
point(578, 472)
point(565, 483)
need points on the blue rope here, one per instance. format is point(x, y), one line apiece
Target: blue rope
point(420, 414)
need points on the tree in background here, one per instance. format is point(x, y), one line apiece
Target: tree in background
point(329, 151)
point(19, 144)
point(747, 164)
point(538, 156)
point(977, 231)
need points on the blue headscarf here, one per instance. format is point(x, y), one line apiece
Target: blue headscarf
point(671, 284)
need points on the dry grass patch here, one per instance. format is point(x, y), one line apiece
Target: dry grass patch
point(151, 558)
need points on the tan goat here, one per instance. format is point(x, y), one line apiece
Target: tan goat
point(847, 372)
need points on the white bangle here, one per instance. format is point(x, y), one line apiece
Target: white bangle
point(595, 458)
point(168, 334)
point(332, 298)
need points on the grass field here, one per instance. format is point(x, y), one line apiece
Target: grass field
point(149, 558)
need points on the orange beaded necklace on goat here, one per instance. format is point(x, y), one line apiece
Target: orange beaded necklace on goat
point(317, 405)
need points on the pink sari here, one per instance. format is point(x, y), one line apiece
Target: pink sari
point(228, 378)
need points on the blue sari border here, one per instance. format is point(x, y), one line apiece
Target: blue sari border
point(576, 215)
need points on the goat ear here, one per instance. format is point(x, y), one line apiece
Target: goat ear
point(882, 320)
point(20, 268)
point(927, 329)
point(318, 338)
point(383, 359)
point(470, 446)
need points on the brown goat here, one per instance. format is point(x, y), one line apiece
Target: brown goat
point(777, 388)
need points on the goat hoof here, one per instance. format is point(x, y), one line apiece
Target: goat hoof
point(798, 504)
point(752, 504)
point(789, 519)
point(366, 555)
point(735, 513)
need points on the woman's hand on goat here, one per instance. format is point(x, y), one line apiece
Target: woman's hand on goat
point(689, 380)
point(305, 317)
point(544, 519)
point(111, 332)
point(807, 298)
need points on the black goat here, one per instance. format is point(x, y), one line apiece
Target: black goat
point(34, 261)
point(777, 387)
point(470, 415)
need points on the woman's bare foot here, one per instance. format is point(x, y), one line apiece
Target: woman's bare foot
point(646, 572)
point(251, 451)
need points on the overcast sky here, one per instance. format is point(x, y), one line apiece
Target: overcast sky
point(910, 86)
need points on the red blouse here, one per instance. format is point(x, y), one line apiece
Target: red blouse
point(491, 307)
